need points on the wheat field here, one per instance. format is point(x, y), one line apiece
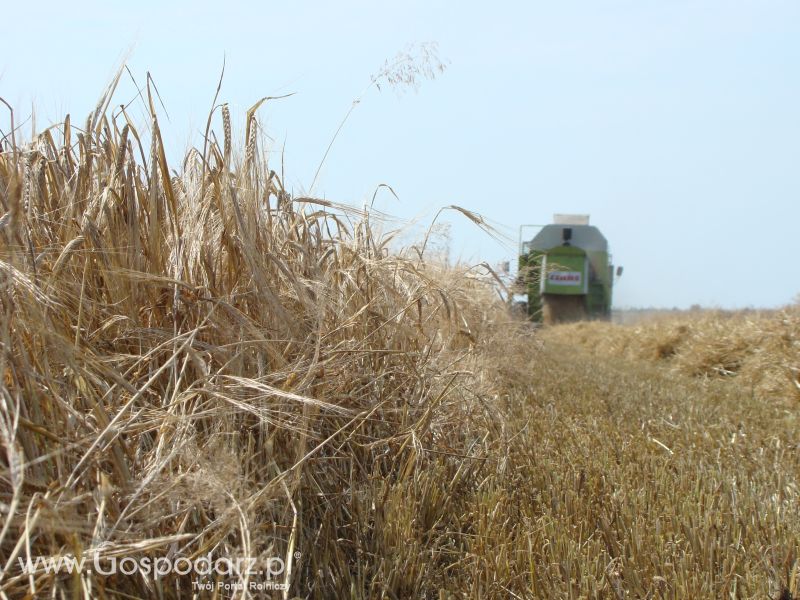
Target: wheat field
point(759, 350)
point(197, 363)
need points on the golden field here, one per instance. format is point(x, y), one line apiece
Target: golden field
point(757, 350)
point(196, 363)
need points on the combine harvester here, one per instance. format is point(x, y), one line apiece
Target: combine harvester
point(566, 272)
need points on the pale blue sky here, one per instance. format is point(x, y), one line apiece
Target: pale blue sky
point(674, 123)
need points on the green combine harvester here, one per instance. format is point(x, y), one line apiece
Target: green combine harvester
point(566, 272)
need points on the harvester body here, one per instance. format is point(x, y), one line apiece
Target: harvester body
point(566, 271)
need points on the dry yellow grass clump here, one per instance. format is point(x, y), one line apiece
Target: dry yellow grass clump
point(760, 350)
point(200, 363)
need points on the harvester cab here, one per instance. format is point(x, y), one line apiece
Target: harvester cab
point(566, 272)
